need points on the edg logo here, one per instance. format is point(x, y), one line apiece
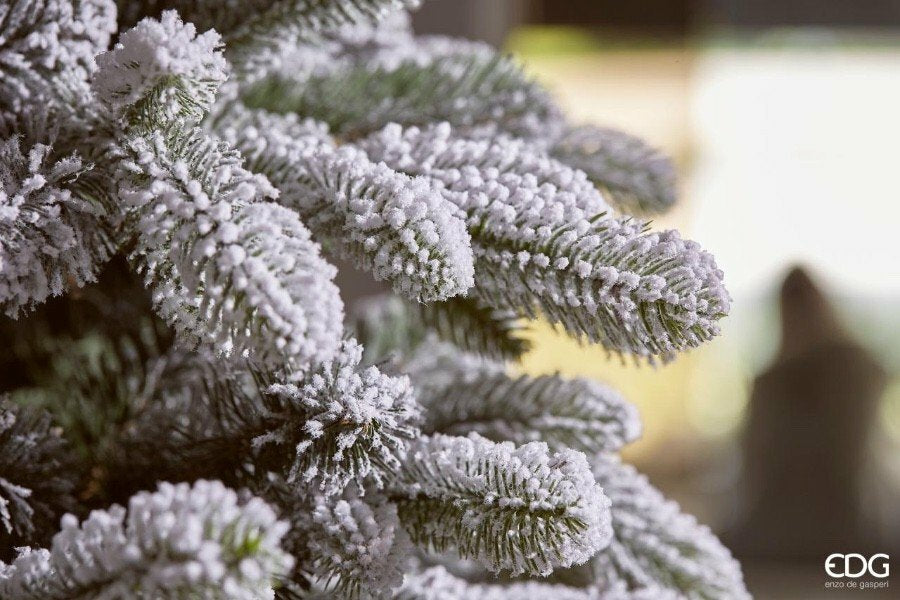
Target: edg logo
point(856, 565)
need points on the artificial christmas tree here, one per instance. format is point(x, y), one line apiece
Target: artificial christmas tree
point(215, 154)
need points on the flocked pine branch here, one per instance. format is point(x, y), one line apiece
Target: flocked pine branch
point(256, 27)
point(522, 510)
point(52, 238)
point(36, 477)
point(179, 542)
point(241, 275)
point(47, 50)
point(460, 395)
point(322, 51)
point(336, 423)
point(544, 242)
point(362, 38)
point(425, 80)
point(226, 267)
point(635, 178)
point(656, 546)
point(342, 423)
point(437, 583)
point(396, 227)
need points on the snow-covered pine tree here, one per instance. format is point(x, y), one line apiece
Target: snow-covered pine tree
point(175, 177)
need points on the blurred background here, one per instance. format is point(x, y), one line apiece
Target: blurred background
point(783, 434)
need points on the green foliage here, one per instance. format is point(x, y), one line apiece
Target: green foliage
point(390, 326)
point(476, 328)
point(37, 478)
point(115, 399)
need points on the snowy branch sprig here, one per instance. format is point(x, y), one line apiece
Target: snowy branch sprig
point(257, 28)
point(481, 396)
point(307, 53)
point(161, 70)
point(544, 242)
point(51, 239)
point(343, 422)
point(521, 510)
point(181, 541)
point(656, 546)
point(394, 226)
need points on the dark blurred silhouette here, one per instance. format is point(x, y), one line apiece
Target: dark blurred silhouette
point(805, 442)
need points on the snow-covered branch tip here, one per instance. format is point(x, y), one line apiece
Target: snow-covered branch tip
point(635, 178)
point(161, 70)
point(521, 510)
point(343, 423)
point(544, 242)
point(656, 546)
point(181, 541)
point(460, 394)
point(51, 239)
point(396, 227)
point(359, 549)
point(225, 267)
